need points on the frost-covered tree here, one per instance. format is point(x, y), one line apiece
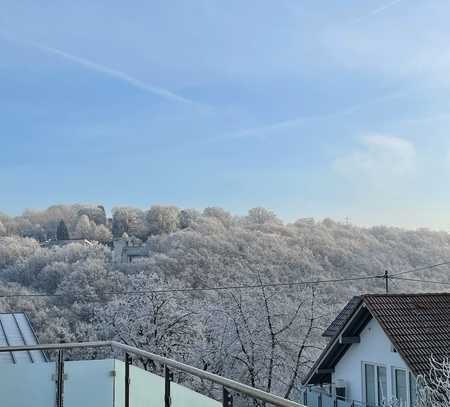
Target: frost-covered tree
point(50, 218)
point(260, 216)
point(14, 250)
point(119, 222)
point(161, 323)
point(102, 234)
point(4, 217)
point(96, 214)
point(88, 229)
point(263, 341)
point(84, 228)
point(433, 389)
point(2, 229)
point(221, 215)
point(163, 219)
point(131, 221)
point(188, 218)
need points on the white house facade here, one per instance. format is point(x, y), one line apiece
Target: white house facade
point(378, 345)
point(373, 371)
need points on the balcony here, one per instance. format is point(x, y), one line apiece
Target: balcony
point(90, 383)
point(316, 397)
point(111, 382)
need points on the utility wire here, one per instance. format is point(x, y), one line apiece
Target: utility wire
point(192, 289)
point(417, 280)
point(421, 269)
point(241, 287)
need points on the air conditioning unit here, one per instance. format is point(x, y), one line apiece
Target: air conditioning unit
point(341, 389)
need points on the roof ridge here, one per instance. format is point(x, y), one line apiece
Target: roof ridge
point(437, 294)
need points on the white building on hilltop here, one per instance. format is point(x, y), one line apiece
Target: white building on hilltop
point(126, 249)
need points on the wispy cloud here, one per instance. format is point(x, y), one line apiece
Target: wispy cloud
point(387, 50)
point(105, 70)
point(380, 158)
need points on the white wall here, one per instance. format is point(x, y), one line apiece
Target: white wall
point(375, 347)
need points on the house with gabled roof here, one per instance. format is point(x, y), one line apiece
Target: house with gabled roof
point(379, 344)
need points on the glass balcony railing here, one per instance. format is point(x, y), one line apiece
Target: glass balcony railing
point(92, 383)
point(113, 383)
point(315, 398)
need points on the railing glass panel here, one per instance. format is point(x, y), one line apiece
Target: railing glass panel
point(343, 403)
point(89, 383)
point(327, 401)
point(27, 385)
point(147, 389)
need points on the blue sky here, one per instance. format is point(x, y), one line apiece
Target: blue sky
point(310, 108)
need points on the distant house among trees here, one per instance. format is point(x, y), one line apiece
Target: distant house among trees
point(379, 345)
point(127, 249)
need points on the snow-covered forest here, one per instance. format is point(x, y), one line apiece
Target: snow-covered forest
point(264, 336)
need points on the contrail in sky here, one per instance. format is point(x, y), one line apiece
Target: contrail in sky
point(384, 7)
point(113, 73)
point(255, 131)
point(378, 10)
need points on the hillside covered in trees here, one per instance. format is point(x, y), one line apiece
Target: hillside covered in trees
point(262, 335)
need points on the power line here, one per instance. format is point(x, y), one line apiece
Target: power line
point(385, 276)
point(200, 289)
point(417, 280)
point(421, 269)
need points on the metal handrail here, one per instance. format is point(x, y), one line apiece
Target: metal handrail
point(349, 402)
point(228, 383)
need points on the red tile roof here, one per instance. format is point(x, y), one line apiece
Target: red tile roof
point(342, 317)
point(418, 325)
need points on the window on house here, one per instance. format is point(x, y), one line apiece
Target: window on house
point(412, 390)
point(375, 384)
point(382, 384)
point(341, 392)
point(370, 385)
point(400, 386)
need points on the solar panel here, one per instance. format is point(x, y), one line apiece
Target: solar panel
point(4, 357)
point(16, 330)
point(29, 337)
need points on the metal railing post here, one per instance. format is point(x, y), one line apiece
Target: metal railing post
point(319, 400)
point(227, 399)
point(305, 397)
point(128, 362)
point(168, 377)
point(60, 379)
